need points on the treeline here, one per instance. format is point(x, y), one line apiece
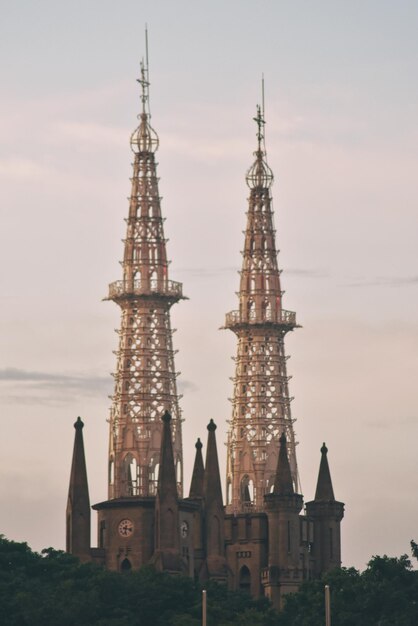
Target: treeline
point(54, 589)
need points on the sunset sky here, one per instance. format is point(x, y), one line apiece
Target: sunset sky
point(342, 140)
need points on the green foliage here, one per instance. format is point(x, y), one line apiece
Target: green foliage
point(414, 549)
point(385, 594)
point(54, 589)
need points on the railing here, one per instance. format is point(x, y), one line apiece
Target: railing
point(254, 317)
point(141, 287)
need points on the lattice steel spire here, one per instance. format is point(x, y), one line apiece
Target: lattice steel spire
point(261, 402)
point(145, 378)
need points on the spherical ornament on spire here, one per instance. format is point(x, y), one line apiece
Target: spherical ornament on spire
point(144, 138)
point(259, 175)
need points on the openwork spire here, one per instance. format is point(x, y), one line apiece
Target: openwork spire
point(261, 401)
point(145, 378)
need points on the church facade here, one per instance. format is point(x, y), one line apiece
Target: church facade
point(263, 539)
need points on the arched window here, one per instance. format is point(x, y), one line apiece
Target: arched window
point(125, 566)
point(247, 490)
point(228, 492)
point(178, 471)
point(154, 470)
point(245, 579)
point(131, 473)
point(111, 471)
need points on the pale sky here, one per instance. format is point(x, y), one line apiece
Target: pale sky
point(342, 140)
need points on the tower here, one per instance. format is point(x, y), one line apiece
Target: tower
point(270, 546)
point(145, 378)
point(261, 402)
point(326, 513)
point(140, 522)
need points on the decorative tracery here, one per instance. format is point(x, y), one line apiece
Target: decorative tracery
point(145, 377)
point(261, 401)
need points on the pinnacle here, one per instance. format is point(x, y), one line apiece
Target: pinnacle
point(324, 490)
point(283, 484)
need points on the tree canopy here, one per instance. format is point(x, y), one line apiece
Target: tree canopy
point(53, 588)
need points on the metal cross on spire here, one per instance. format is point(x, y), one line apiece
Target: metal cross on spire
point(144, 80)
point(260, 119)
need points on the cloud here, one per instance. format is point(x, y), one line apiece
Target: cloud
point(48, 388)
point(409, 421)
point(89, 134)
point(186, 386)
point(206, 272)
point(306, 272)
point(21, 168)
point(386, 281)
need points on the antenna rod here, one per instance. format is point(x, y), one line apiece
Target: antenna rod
point(146, 49)
point(147, 67)
point(262, 94)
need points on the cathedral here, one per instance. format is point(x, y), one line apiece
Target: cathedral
point(263, 539)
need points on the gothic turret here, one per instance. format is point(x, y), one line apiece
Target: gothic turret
point(326, 514)
point(324, 491)
point(145, 378)
point(261, 401)
point(78, 503)
point(214, 517)
point(198, 476)
point(283, 484)
point(167, 532)
point(283, 574)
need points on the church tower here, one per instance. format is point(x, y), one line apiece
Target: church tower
point(261, 542)
point(145, 519)
point(261, 402)
point(145, 378)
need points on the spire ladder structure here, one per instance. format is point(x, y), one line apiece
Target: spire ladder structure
point(145, 378)
point(261, 402)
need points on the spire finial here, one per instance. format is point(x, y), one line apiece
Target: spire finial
point(144, 80)
point(259, 120)
point(144, 138)
point(259, 174)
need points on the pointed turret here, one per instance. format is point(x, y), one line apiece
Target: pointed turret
point(283, 484)
point(214, 566)
point(167, 487)
point(198, 476)
point(78, 503)
point(282, 507)
point(167, 533)
point(326, 514)
point(212, 480)
point(324, 490)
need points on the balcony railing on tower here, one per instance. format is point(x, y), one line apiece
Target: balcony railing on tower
point(283, 317)
point(139, 287)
